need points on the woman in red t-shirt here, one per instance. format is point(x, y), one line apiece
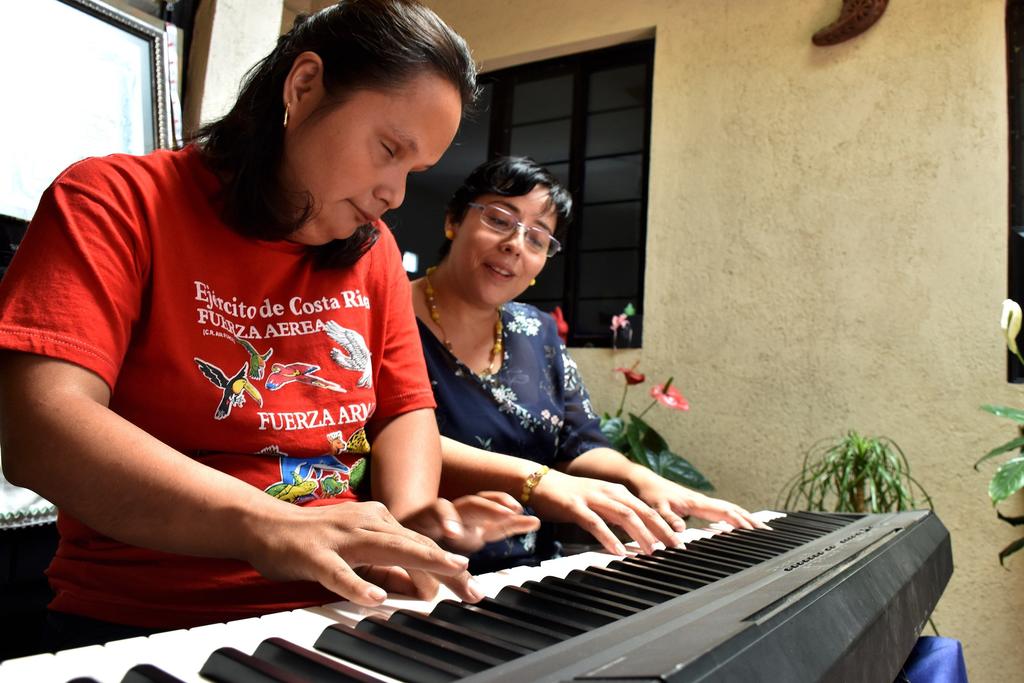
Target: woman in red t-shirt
point(202, 346)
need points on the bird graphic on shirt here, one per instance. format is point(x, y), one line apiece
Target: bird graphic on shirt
point(282, 374)
point(353, 354)
point(257, 360)
point(234, 389)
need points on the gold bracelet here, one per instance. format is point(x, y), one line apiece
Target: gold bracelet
point(531, 483)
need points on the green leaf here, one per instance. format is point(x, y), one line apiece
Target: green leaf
point(629, 310)
point(1010, 550)
point(1008, 479)
point(614, 429)
point(648, 435)
point(678, 469)
point(999, 450)
point(1003, 411)
point(648, 459)
point(637, 452)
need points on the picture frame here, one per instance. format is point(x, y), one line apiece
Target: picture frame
point(91, 79)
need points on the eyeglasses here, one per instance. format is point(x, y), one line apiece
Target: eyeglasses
point(504, 222)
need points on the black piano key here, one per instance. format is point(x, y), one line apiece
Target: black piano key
point(147, 673)
point(228, 665)
point(308, 665)
point(694, 567)
point(497, 625)
point(792, 540)
point(823, 519)
point(748, 545)
point(725, 541)
point(380, 655)
point(479, 641)
point(639, 569)
point(802, 534)
point(581, 598)
point(426, 644)
point(695, 554)
point(618, 596)
point(700, 574)
point(806, 525)
point(553, 622)
point(573, 613)
point(842, 518)
point(617, 581)
point(617, 569)
point(728, 552)
point(765, 539)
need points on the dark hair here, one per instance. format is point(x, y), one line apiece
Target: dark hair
point(509, 177)
point(364, 45)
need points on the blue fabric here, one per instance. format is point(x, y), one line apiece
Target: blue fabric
point(935, 660)
point(534, 407)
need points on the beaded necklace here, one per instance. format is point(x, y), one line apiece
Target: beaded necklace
point(496, 350)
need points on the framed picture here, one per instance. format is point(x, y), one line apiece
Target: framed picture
point(80, 78)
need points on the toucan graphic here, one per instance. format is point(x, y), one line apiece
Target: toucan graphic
point(234, 388)
point(298, 372)
point(257, 360)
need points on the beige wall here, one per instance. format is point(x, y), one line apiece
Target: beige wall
point(826, 248)
point(229, 37)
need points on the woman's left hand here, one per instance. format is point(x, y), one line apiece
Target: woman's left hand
point(465, 524)
point(673, 502)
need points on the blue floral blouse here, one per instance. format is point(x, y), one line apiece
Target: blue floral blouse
point(534, 407)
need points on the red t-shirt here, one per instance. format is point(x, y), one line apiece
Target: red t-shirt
point(235, 351)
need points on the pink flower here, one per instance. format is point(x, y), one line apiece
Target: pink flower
point(620, 321)
point(671, 398)
point(632, 376)
point(560, 324)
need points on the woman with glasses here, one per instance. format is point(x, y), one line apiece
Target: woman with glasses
point(510, 399)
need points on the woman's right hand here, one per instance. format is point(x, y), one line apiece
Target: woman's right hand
point(327, 544)
point(594, 504)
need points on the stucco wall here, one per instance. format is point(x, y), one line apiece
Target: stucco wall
point(228, 38)
point(826, 248)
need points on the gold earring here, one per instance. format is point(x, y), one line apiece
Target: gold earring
point(286, 108)
point(449, 233)
point(533, 282)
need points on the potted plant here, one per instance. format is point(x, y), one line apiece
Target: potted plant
point(1009, 478)
point(854, 473)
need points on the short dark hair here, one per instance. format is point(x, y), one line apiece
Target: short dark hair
point(509, 177)
point(364, 45)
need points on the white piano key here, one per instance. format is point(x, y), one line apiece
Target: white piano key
point(180, 653)
point(766, 516)
point(563, 565)
point(38, 668)
point(303, 626)
point(87, 662)
point(122, 655)
point(246, 635)
point(691, 535)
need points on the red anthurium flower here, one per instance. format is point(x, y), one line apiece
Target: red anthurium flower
point(632, 376)
point(560, 324)
point(671, 398)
